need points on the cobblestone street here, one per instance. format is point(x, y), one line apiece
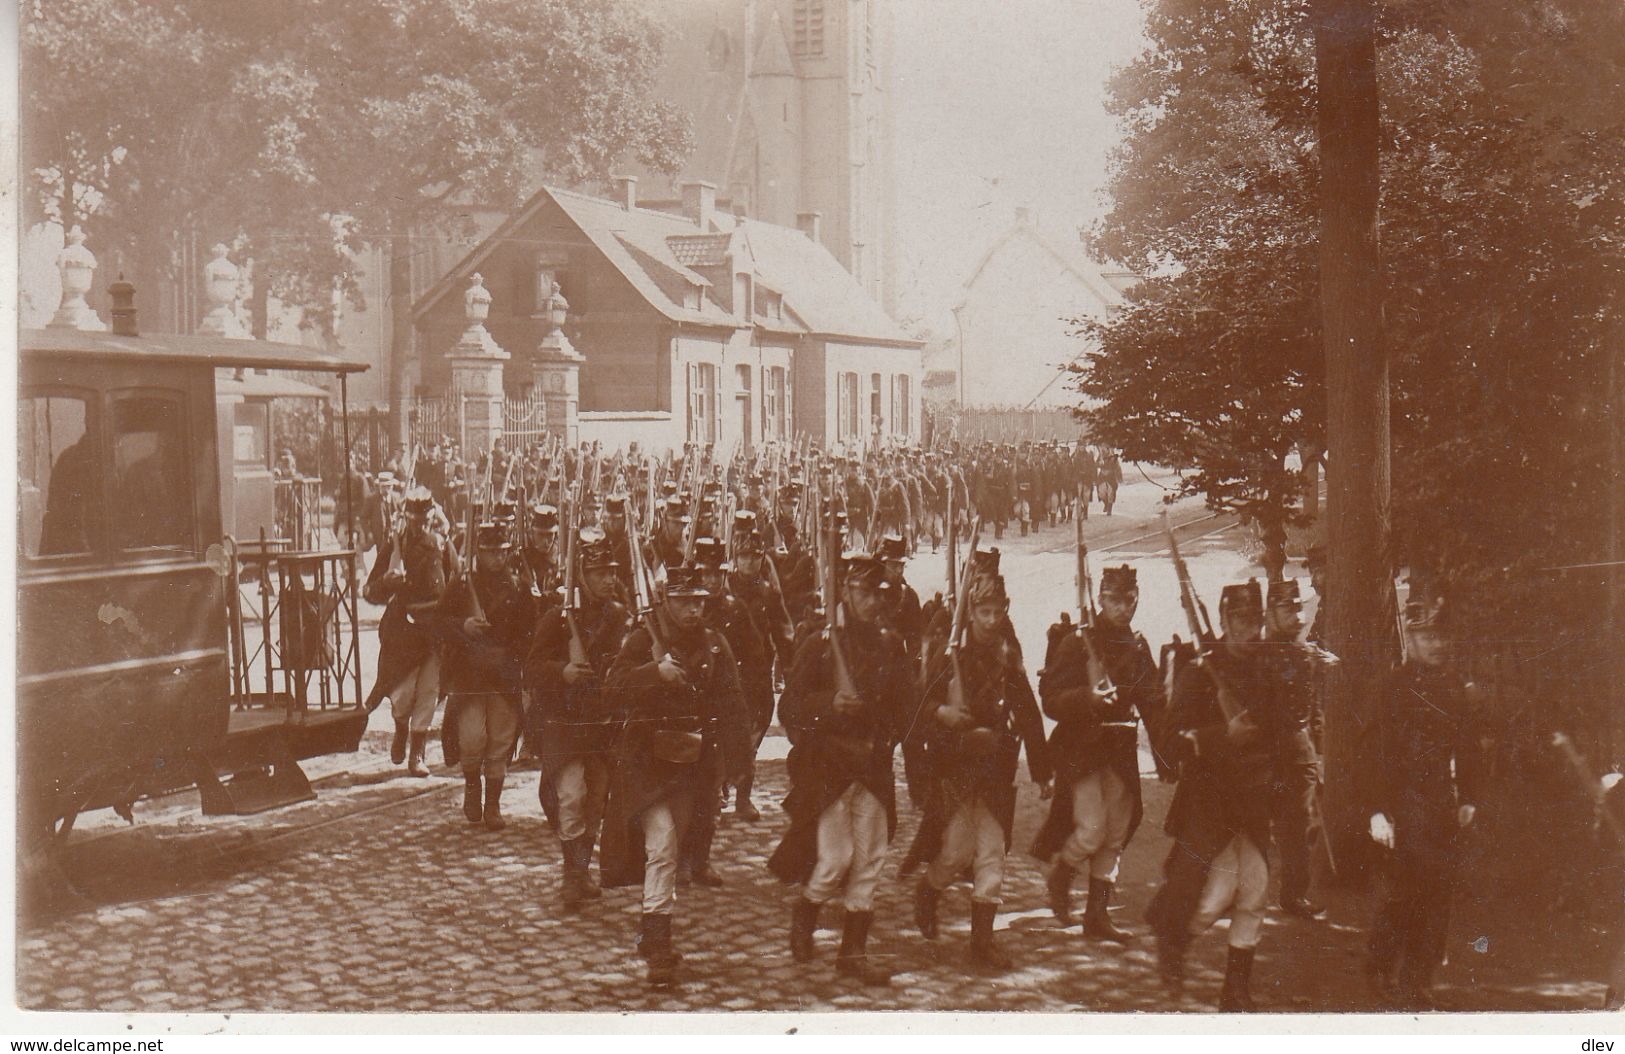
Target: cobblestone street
point(378, 896)
point(401, 906)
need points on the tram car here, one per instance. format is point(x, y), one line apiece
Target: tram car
point(144, 665)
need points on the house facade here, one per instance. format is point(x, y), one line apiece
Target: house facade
point(1014, 332)
point(688, 323)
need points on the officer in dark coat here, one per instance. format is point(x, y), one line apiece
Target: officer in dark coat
point(1425, 776)
point(1095, 750)
point(905, 615)
point(685, 722)
point(1220, 814)
point(410, 576)
point(1295, 726)
point(976, 715)
point(576, 718)
point(486, 622)
point(843, 801)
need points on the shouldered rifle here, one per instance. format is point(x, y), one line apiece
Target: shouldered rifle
point(956, 626)
point(470, 549)
point(643, 597)
point(832, 614)
point(1201, 626)
point(1100, 681)
point(572, 588)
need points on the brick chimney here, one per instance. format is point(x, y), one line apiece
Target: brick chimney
point(626, 191)
point(700, 202)
point(810, 224)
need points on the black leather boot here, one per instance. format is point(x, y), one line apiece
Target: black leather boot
point(655, 947)
point(803, 927)
point(419, 747)
point(1097, 921)
point(853, 960)
point(472, 795)
point(397, 745)
point(984, 951)
point(493, 803)
point(1237, 996)
point(1059, 887)
point(926, 897)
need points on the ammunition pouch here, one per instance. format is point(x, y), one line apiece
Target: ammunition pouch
point(846, 751)
point(991, 751)
point(673, 746)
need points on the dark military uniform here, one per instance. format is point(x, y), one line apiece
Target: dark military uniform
point(678, 737)
point(408, 653)
point(577, 722)
point(843, 800)
point(1095, 750)
point(969, 778)
point(484, 677)
point(1220, 814)
point(1422, 763)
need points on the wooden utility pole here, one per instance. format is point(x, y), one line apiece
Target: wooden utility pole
point(1359, 607)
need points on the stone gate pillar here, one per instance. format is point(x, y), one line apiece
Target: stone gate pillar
point(558, 372)
point(476, 375)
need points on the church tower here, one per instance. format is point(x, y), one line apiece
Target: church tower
point(791, 108)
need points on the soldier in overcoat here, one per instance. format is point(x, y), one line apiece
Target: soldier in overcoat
point(486, 622)
point(1220, 815)
point(1095, 751)
point(685, 721)
point(409, 576)
point(771, 615)
point(976, 714)
point(575, 716)
point(842, 801)
point(1425, 775)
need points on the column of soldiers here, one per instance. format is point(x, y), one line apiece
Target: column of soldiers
point(627, 623)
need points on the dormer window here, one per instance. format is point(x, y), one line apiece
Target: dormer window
point(744, 297)
point(691, 297)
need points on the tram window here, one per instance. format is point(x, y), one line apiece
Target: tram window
point(252, 435)
point(152, 496)
point(56, 475)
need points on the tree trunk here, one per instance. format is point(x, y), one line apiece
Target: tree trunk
point(400, 325)
point(1359, 611)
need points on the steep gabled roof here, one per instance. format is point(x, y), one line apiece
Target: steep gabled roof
point(1089, 274)
point(664, 256)
point(816, 288)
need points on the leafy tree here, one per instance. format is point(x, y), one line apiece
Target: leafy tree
point(1502, 222)
point(304, 129)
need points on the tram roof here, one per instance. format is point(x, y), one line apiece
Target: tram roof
point(180, 348)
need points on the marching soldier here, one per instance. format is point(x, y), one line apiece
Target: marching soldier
point(488, 622)
point(1220, 814)
point(977, 714)
point(727, 617)
point(666, 548)
point(846, 707)
point(1425, 777)
point(685, 721)
point(1095, 751)
point(575, 715)
point(1296, 722)
point(757, 593)
point(409, 576)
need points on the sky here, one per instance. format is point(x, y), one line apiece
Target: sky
point(998, 104)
